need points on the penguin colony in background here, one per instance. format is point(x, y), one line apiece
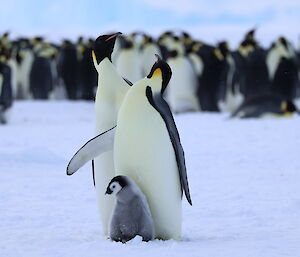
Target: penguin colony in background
point(205, 77)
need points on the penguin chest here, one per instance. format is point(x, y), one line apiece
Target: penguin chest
point(143, 149)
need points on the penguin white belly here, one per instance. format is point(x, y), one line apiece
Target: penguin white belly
point(143, 151)
point(183, 84)
point(128, 65)
point(14, 72)
point(23, 75)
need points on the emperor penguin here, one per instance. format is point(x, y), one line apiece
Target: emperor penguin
point(283, 69)
point(131, 215)
point(128, 60)
point(109, 96)
point(6, 98)
point(228, 98)
point(147, 148)
point(265, 106)
point(68, 68)
point(148, 51)
point(41, 76)
point(24, 59)
point(181, 94)
point(164, 42)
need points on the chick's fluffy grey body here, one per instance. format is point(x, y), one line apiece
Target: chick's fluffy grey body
point(131, 216)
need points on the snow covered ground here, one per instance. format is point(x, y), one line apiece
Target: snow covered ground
point(244, 177)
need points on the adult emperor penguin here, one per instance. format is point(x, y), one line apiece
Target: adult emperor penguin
point(148, 50)
point(128, 60)
point(147, 148)
point(181, 94)
point(5, 89)
point(109, 96)
point(265, 106)
point(283, 69)
point(24, 59)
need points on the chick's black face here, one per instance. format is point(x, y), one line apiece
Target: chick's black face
point(116, 184)
point(104, 46)
point(165, 71)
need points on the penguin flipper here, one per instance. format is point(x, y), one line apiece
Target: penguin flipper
point(94, 147)
point(163, 108)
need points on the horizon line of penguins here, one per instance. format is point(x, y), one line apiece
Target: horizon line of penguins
point(248, 82)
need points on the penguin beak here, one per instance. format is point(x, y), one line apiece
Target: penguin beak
point(113, 36)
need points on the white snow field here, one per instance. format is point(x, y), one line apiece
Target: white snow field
point(244, 178)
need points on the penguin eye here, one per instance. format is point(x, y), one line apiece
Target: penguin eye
point(113, 186)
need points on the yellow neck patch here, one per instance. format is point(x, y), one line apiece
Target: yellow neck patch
point(284, 106)
point(157, 73)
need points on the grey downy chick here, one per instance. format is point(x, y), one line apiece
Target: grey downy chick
point(131, 215)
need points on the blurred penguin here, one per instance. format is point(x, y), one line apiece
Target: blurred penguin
point(265, 106)
point(68, 68)
point(24, 59)
point(252, 68)
point(88, 73)
point(229, 97)
point(164, 42)
point(148, 50)
point(283, 69)
point(41, 80)
point(212, 76)
point(5, 88)
point(128, 60)
point(181, 93)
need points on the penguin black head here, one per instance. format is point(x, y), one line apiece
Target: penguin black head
point(126, 43)
point(163, 69)
point(148, 39)
point(116, 185)
point(250, 34)
point(284, 42)
point(80, 40)
point(223, 46)
point(104, 46)
point(172, 54)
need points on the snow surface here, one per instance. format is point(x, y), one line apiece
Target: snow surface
point(244, 177)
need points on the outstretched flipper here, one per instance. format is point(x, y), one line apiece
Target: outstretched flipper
point(93, 148)
point(163, 108)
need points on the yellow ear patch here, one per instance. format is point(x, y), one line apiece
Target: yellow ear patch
point(157, 72)
point(197, 46)
point(94, 59)
point(284, 106)
point(218, 54)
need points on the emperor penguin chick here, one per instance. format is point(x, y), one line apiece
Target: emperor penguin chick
point(131, 215)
